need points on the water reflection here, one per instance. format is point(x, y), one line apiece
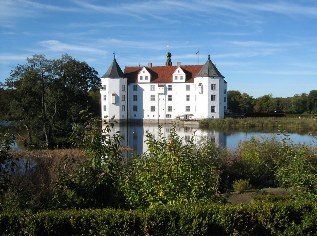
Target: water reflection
point(134, 135)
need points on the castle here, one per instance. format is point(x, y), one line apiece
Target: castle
point(163, 92)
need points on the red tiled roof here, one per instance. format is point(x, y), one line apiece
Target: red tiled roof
point(162, 74)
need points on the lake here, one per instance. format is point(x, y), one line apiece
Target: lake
point(134, 135)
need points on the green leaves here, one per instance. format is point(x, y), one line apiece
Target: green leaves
point(171, 172)
point(47, 96)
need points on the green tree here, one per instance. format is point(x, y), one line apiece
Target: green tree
point(5, 98)
point(312, 101)
point(48, 95)
point(239, 102)
point(265, 103)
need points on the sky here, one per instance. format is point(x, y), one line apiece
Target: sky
point(261, 47)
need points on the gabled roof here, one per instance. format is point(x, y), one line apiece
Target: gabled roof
point(162, 74)
point(114, 70)
point(209, 70)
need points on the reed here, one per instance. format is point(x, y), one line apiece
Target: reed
point(289, 124)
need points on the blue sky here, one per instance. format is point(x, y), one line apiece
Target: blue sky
point(261, 47)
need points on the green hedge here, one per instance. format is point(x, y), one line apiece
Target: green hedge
point(296, 218)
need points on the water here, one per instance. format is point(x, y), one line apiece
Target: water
point(134, 135)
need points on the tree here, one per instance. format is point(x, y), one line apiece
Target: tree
point(312, 101)
point(265, 103)
point(48, 95)
point(5, 98)
point(239, 102)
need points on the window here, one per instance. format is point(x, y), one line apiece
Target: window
point(123, 98)
point(169, 87)
point(176, 77)
point(114, 98)
point(104, 87)
point(213, 86)
point(200, 88)
point(141, 77)
point(169, 98)
point(135, 108)
point(152, 108)
point(135, 98)
point(187, 98)
point(152, 87)
point(225, 91)
point(225, 99)
point(168, 116)
point(104, 97)
point(104, 107)
point(187, 108)
point(213, 109)
point(146, 77)
point(213, 98)
point(187, 87)
point(181, 77)
point(135, 87)
point(123, 108)
point(169, 108)
point(152, 97)
point(123, 87)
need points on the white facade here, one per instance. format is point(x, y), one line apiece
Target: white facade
point(163, 92)
point(114, 98)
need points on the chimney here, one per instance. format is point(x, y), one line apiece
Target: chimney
point(149, 64)
point(179, 63)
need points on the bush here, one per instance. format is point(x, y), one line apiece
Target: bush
point(171, 172)
point(292, 218)
point(95, 182)
point(241, 185)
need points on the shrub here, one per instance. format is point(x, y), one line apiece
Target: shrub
point(241, 185)
point(93, 183)
point(291, 218)
point(171, 172)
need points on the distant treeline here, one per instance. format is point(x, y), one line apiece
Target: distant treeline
point(267, 105)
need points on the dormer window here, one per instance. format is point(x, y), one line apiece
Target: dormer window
point(144, 75)
point(179, 75)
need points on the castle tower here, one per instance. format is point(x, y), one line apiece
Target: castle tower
point(212, 91)
point(114, 93)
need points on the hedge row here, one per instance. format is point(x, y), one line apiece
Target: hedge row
point(296, 218)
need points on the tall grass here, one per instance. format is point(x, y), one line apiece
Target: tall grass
point(290, 124)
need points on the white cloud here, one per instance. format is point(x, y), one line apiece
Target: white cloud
point(12, 9)
point(6, 58)
point(55, 45)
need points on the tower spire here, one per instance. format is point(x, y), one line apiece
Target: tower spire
point(168, 59)
point(114, 70)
